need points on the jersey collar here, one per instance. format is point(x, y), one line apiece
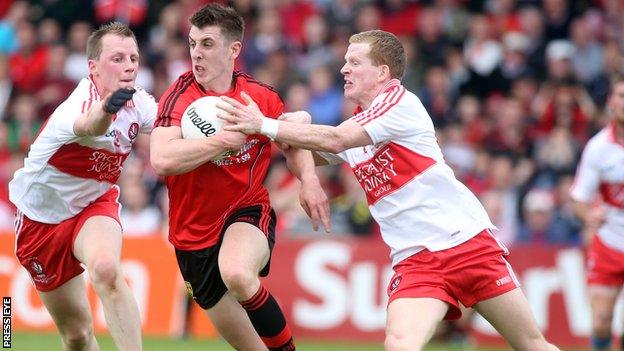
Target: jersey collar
point(386, 88)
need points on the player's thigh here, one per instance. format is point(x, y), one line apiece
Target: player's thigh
point(99, 236)
point(510, 314)
point(412, 321)
point(234, 325)
point(244, 246)
point(68, 305)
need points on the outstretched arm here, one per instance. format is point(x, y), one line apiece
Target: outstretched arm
point(250, 120)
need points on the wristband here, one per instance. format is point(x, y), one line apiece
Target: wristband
point(269, 127)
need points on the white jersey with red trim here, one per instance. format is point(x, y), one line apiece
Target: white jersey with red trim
point(601, 170)
point(64, 173)
point(411, 192)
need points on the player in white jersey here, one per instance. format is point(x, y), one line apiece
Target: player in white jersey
point(442, 249)
point(601, 171)
point(68, 213)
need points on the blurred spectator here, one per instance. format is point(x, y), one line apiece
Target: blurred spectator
point(430, 44)
point(17, 13)
point(555, 155)
point(435, 96)
point(515, 63)
point(368, 18)
point(266, 39)
point(613, 62)
point(138, 217)
point(341, 14)
point(297, 97)
point(559, 55)
point(399, 16)
point(23, 122)
point(509, 131)
point(49, 32)
point(131, 12)
point(168, 29)
point(470, 115)
point(325, 97)
point(457, 152)
point(28, 63)
point(558, 14)
point(531, 22)
point(588, 53)
point(315, 49)
point(76, 66)
point(541, 225)
point(503, 215)
point(566, 104)
point(483, 55)
point(293, 14)
point(55, 87)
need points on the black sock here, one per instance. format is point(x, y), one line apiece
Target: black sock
point(268, 320)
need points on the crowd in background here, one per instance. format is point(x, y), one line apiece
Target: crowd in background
point(515, 89)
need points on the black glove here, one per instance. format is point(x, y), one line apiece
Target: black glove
point(118, 99)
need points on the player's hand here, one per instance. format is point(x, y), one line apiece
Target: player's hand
point(232, 141)
point(118, 99)
point(314, 201)
point(245, 118)
point(296, 117)
point(597, 217)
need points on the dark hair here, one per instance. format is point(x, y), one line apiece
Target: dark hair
point(94, 43)
point(226, 18)
point(385, 49)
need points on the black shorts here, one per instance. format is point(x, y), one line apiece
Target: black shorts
point(200, 268)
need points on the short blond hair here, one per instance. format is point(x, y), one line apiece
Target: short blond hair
point(94, 43)
point(385, 49)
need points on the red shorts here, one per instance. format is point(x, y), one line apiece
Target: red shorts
point(468, 273)
point(605, 266)
point(46, 250)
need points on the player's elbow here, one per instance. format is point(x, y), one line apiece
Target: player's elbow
point(336, 144)
point(162, 166)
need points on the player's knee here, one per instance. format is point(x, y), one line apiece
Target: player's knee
point(104, 273)
point(240, 282)
point(78, 337)
point(397, 342)
point(536, 343)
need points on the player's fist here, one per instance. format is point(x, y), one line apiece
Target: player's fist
point(118, 99)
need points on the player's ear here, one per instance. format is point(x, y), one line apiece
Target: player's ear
point(92, 67)
point(235, 48)
point(384, 72)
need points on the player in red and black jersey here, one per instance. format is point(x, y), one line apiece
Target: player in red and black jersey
point(221, 222)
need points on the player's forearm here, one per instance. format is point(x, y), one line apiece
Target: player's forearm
point(94, 122)
point(300, 163)
point(310, 136)
point(180, 156)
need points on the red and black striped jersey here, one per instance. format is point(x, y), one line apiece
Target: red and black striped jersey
point(200, 200)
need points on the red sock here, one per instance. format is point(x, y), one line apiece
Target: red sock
point(268, 320)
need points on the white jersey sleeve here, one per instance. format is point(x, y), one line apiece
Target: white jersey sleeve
point(387, 119)
point(587, 178)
